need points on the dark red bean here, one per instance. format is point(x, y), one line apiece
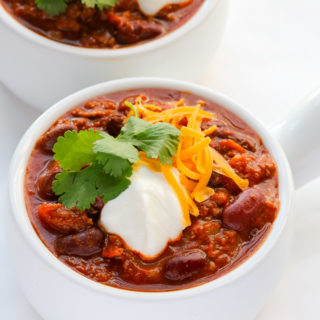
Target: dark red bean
point(185, 265)
point(96, 208)
point(240, 213)
point(115, 123)
point(50, 138)
point(83, 244)
point(44, 182)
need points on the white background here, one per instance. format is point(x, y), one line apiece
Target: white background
point(268, 61)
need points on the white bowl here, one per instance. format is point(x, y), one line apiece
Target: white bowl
point(42, 71)
point(58, 292)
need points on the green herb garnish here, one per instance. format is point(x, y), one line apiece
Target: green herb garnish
point(96, 164)
point(55, 7)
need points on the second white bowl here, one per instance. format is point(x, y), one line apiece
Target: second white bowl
point(41, 71)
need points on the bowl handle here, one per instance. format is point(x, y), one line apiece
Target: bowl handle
point(299, 135)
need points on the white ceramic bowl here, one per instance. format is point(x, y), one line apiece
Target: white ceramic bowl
point(41, 71)
point(58, 292)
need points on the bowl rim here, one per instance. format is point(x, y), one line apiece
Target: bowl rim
point(26, 145)
point(188, 26)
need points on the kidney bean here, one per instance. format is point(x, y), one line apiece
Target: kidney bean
point(62, 219)
point(185, 265)
point(49, 139)
point(95, 210)
point(44, 182)
point(240, 213)
point(115, 123)
point(83, 244)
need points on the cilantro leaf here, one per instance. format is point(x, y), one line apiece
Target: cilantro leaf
point(76, 189)
point(55, 7)
point(115, 166)
point(80, 189)
point(115, 156)
point(101, 4)
point(52, 7)
point(74, 149)
point(109, 187)
point(156, 140)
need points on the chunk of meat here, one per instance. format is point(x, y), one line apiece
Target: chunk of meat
point(245, 140)
point(228, 145)
point(126, 5)
point(202, 230)
point(137, 272)
point(221, 197)
point(62, 219)
point(99, 103)
point(226, 132)
point(240, 214)
point(113, 248)
point(185, 265)
point(97, 112)
point(48, 140)
point(65, 24)
point(130, 31)
point(95, 268)
point(47, 176)
point(83, 244)
point(255, 169)
point(100, 39)
point(209, 208)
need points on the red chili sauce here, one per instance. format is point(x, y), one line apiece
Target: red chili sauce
point(120, 26)
point(231, 226)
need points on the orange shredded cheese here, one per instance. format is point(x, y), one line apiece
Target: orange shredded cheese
point(189, 152)
point(187, 183)
point(195, 160)
point(189, 132)
point(227, 170)
point(204, 194)
point(210, 130)
point(180, 192)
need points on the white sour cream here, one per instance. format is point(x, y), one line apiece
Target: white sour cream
point(147, 215)
point(151, 7)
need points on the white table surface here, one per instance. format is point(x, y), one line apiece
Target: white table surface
point(268, 61)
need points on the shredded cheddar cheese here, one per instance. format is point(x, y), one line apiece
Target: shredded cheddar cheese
point(195, 160)
point(210, 130)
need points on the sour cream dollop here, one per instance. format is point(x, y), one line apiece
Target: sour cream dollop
point(151, 7)
point(147, 215)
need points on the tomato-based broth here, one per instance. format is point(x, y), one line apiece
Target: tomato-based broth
point(232, 222)
point(123, 25)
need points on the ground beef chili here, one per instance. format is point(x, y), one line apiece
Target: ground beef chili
point(232, 223)
point(116, 27)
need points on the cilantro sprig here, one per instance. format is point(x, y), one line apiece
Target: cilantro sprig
point(95, 164)
point(55, 7)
